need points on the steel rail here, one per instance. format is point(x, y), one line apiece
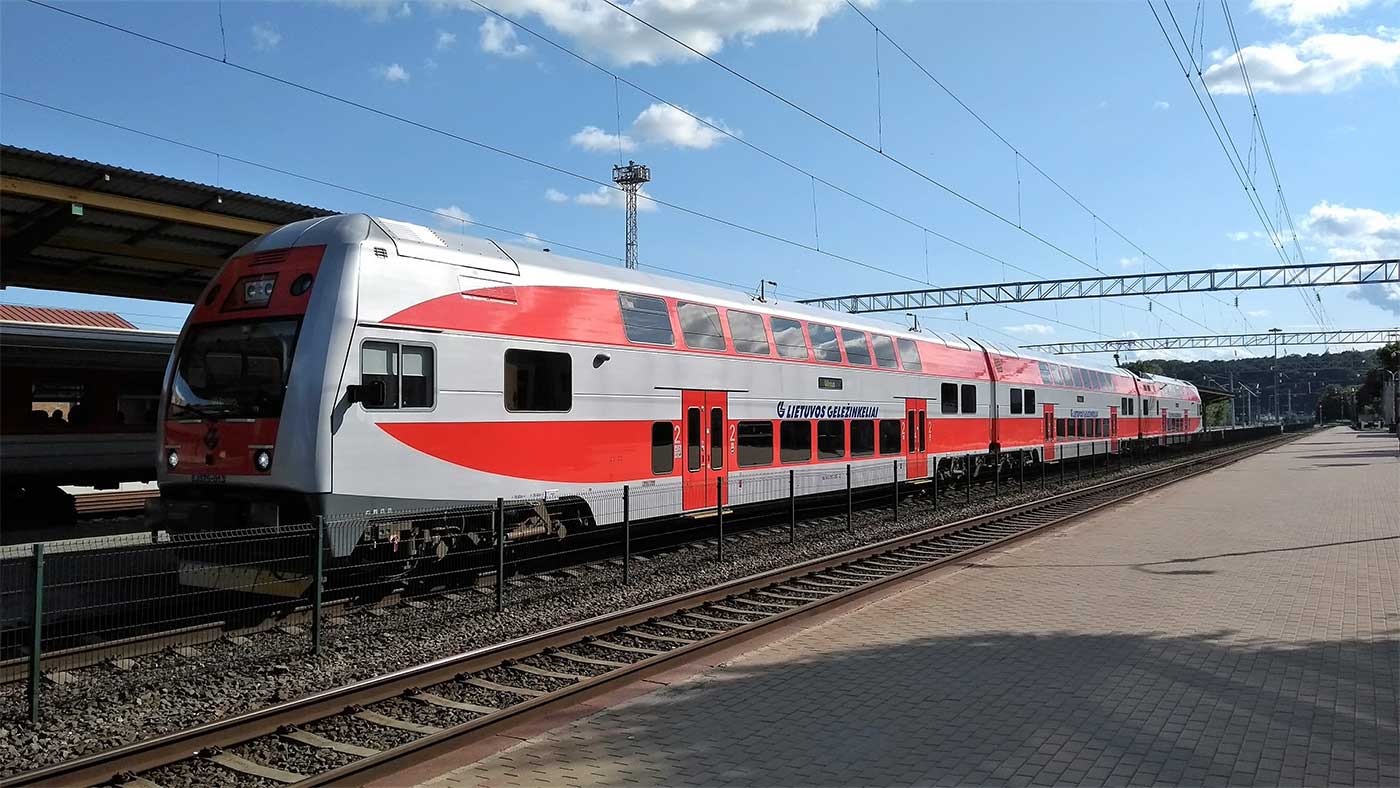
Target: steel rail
point(153, 753)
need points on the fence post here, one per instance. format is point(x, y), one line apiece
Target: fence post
point(1021, 466)
point(849, 504)
point(967, 467)
point(996, 474)
point(792, 505)
point(719, 510)
point(1063, 462)
point(1042, 470)
point(896, 490)
point(626, 533)
point(935, 484)
point(36, 627)
point(318, 584)
point(500, 518)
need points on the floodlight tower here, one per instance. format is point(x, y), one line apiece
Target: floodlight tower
point(631, 178)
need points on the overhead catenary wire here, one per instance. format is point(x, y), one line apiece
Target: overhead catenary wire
point(522, 157)
point(857, 140)
point(1020, 156)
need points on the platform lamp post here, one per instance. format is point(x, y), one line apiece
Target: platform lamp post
point(1276, 332)
point(630, 178)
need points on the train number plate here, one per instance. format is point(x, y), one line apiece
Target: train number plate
point(208, 478)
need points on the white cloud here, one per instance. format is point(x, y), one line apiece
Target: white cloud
point(1130, 262)
point(1303, 12)
point(452, 216)
point(445, 40)
point(1245, 235)
point(393, 73)
point(1030, 330)
point(1161, 105)
point(706, 26)
point(664, 124)
point(378, 10)
point(607, 197)
point(1321, 63)
point(554, 195)
point(1257, 313)
point(658, 124)
point(592, 138)
point(265, 36)
point(498, 37)
point(1358, 234)
point(532, 239)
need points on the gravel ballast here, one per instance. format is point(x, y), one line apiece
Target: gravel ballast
point(163, 693)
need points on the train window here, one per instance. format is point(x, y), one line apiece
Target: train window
point(1076, 377)
point(716, 438)
point(747, 330)
point(909, 354)
point(824, 343)
point(795, 438)
point(416, 383)
point(379, 363)
point(538, 380)
point(948, 395)
point(922, 429)
point(663, 457)
point(884, 352)
point(969, 398)
point(1030, 401)
point(862, 438)
point(787, 335)
point(857, 348)
point(890, 442)
point(1015, 401)
point(755, 443)
point(831, 440)
point(1059, 428)
point(700, 326)
point(645, 319)
point(692, 439)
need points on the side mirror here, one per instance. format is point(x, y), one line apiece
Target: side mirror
point(371, 394)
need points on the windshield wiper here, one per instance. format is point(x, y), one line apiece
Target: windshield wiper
point(204, 414)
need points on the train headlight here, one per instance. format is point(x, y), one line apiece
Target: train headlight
point(262, 460)
point(172, 459)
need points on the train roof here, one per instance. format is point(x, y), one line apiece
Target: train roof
point(417, 240)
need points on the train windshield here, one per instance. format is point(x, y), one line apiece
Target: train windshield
point(234, 370)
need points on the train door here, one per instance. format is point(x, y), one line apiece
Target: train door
point(1113, 428)
point(1049, 448)
point(704, 423)
point(916, 410)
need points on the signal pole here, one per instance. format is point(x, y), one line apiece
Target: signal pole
point(631, 178)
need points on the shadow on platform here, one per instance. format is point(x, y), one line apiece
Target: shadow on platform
point(979, 709)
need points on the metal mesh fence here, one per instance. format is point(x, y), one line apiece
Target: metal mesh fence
point(108, 599)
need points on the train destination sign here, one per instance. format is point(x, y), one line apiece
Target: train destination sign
point(1083, 414)
point(824, 410)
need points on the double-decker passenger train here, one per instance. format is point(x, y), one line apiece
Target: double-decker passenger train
point(352, 365)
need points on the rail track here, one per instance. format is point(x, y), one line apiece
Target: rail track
point(369, 729)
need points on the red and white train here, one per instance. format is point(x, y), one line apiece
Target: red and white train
point(357, 366)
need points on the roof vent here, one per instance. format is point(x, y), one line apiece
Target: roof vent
point(380, 251)
point(270, 258)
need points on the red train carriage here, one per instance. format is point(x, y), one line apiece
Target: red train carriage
point(360, 366)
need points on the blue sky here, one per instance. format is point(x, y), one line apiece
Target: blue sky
point(1089, 92)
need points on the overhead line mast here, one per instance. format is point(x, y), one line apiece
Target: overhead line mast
point(630, 178)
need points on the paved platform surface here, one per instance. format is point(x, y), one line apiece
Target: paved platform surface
point(1240, 628)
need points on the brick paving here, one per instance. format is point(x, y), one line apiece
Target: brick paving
point(1240, 628)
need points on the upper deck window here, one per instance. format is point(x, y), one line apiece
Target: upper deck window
point(884, 352)
point(787, 335)
point(909, 355)
point(747, 330)
point(824, 343)
point(700, 326)
point(645, 319)
point(857, 348)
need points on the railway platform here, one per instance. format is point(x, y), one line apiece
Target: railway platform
point(1238, 628)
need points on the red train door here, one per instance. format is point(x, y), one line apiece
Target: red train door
point(705, 434)
point(916, 447)
point(1049, 411)
point(1113, 427)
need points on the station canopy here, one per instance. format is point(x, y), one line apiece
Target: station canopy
point(81, 226)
